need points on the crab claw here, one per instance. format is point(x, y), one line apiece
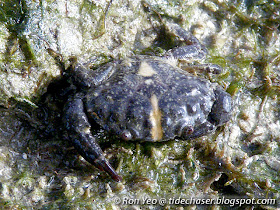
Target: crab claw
point(104, 165)
point(78, 129)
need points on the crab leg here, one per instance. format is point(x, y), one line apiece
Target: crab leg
point(78, 127)
point(192, 50)
point(189, 50)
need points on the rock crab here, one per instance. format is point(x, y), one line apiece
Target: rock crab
point(145, 98)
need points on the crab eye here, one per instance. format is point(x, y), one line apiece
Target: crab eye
point(126, 135)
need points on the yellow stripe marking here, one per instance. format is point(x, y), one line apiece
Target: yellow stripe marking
point(155, 118)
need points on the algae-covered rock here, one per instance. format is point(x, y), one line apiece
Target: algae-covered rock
point(40, 169)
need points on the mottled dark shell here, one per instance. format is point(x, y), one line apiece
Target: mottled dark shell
point(151, 100)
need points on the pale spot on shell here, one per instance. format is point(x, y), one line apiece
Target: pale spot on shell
point(146, 70)
point(149, 81)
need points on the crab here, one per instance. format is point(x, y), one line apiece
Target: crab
point(146, 98)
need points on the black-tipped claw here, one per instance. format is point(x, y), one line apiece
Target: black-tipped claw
point(104, 165)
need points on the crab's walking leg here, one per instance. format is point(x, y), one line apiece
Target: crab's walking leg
point(209, 68)
point(78, 127)
point(222, 107)
point(190, 50)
